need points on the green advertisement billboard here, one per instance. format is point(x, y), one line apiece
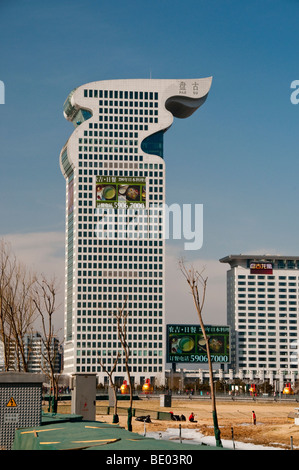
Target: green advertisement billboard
point(186, 343)
point(120, 192)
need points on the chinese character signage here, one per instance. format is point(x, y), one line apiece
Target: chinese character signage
point(120, 192)
point(186, 343)
point(261, 268)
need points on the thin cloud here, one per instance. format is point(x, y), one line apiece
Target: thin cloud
point(44, 253)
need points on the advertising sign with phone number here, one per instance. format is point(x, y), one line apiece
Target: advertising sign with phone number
point(186, 343)
point(120, 192)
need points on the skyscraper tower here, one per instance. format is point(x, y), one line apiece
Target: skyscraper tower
point(115, 185)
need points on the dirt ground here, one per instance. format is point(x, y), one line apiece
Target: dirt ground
point(273, 427)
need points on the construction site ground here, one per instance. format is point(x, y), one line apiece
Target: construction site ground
point(274, 426)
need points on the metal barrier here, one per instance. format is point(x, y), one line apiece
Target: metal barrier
point(161, 415)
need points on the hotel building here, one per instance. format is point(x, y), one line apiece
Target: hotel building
point(114, 168)
point(262, 310)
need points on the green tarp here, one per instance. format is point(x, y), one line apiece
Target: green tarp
point(92, 435)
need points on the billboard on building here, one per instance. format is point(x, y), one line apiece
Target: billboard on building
point(261, 268)
point(120, 192)
point(186, 343)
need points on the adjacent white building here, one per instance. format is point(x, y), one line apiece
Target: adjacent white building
point(35, 354)
point(262, 310)
point(115, 182)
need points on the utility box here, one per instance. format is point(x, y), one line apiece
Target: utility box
point(20, 404)
point(84, 389)
point(165, 401)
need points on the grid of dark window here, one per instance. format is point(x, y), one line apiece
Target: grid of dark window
point(110, 271)
point(267, 321)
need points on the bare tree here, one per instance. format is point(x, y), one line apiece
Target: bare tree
point(122, 321)
point(112, 383)
point(7, 264)
point(17, 311)
point(45, 293)
point(21, 313)
point(198, 286)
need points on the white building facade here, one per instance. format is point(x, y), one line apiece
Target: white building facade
point(35, 355)
point(115, 252)
point(262, 310)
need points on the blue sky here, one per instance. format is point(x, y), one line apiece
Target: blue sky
point(237, 155)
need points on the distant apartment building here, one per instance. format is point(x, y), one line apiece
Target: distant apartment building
point(262, 311)
point(35, 355)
